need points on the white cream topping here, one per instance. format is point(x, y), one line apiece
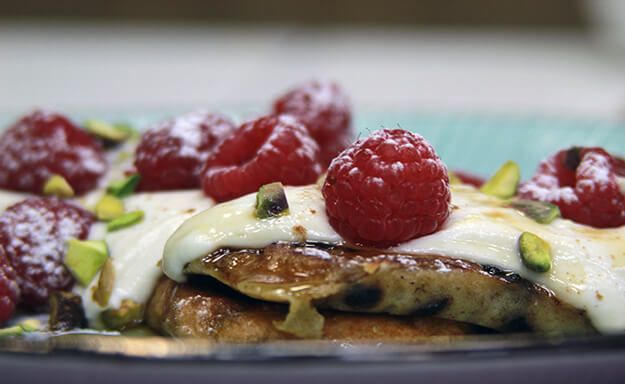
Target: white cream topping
point(588, 266)
point(137, 250)
point(234, 224)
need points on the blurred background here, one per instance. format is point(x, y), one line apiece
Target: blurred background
point(531, 57)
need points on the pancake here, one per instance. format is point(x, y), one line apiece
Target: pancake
point(206, 310)
point(310, 276)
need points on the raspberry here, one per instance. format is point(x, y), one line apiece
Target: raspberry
point(171, 153)
point(33, 233)
point(324, 110)
point(44, 143)
point(271, 148)
point(387, 188)
point(9, 289)
point(582, 183)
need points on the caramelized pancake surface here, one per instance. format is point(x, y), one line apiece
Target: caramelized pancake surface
point(223, 316)
point(376, 281)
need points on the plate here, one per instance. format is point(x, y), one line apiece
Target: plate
point(476, 142)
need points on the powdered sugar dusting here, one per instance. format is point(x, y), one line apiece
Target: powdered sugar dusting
point(186, 128)
point(546, 188)
point(595, 172)
point(33, 234)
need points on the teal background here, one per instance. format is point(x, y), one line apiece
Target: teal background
point(481, 142)
point(476, 142)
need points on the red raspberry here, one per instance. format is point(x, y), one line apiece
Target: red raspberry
point(9, 289)
point(324, 110)
point(171, 153)
point(33, 233)
point(582, 183)
point(44, 143)
point(271, 148)
point(387, 188)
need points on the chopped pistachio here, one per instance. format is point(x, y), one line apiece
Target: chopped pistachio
point(125, 220)
point(271, 201)
point(504, 182)
point(30, 325)
point(107, 131)
point(24, 326)
point(108, 208)
point(453, 179)
point(103, 290)
point(128, 315)
point(84, 258)
point(125, 187)
point(535, 252)
point(140, 331)
point(15, 330)
point(58, 186)
point(541, 212)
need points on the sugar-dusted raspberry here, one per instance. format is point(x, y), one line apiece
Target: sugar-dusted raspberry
point(172, 153)
point(582, 183)
point(33, 233)
point(9, 289)
point(387, 188)
point(44, 143)
point(271, 148)
point(324, 109)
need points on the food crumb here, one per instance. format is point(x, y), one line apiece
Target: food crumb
point(370, 268)
point(599, 295)
point(300, 231)
point(159, 264)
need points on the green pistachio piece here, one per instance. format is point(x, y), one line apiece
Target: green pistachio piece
point(103, 290)
point(271, 201)
point(128, 315)
point(541, 212)
point(30, 325)
point(109, 207)
point(125, 187)
point(24, 326)
point(140, 331)
point(504, 182)
point(535, 252)
point(125, 220)
point(58, 186)
point(84, 258)
point(453, 179)
point(15, 330)
point(107, 131)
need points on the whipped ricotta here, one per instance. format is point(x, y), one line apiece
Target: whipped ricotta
point(588, 264)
